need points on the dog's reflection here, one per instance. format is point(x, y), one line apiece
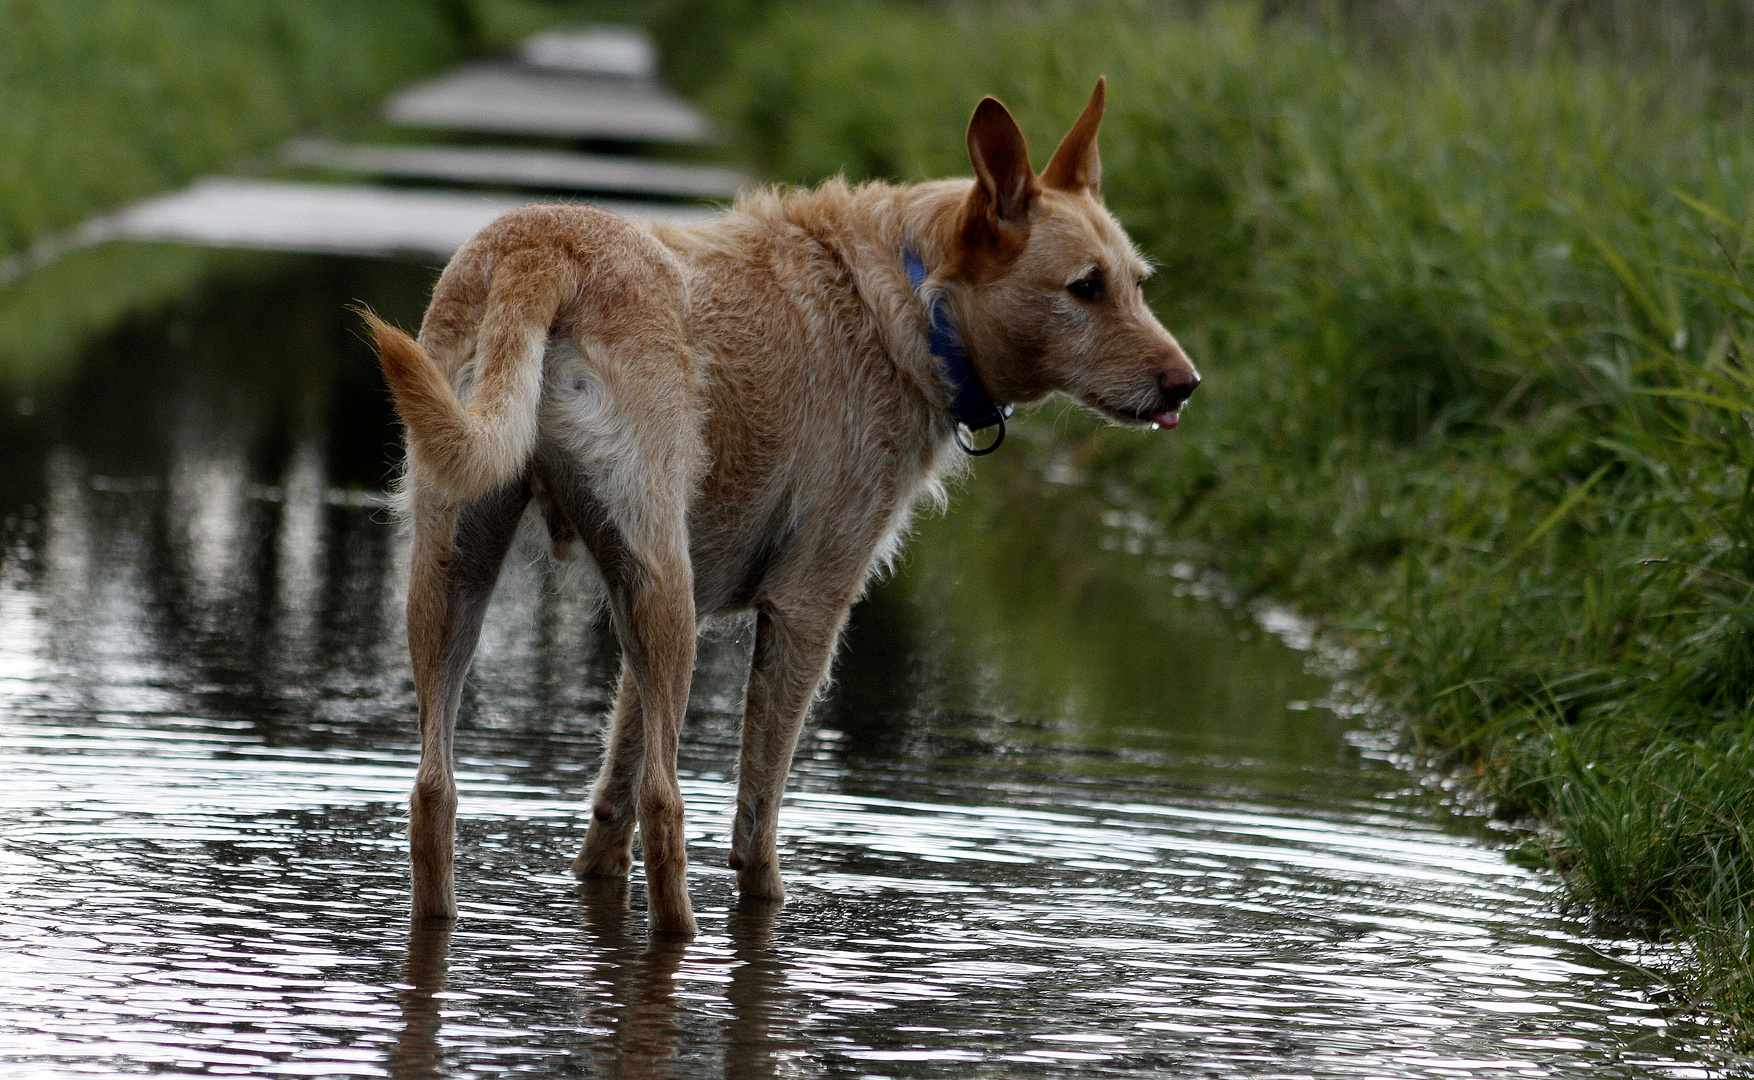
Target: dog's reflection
point(638, 978)
point(416, 1055)
point(632, 1002)
point(760, 1039)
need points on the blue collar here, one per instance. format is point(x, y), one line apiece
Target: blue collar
point(969, 403)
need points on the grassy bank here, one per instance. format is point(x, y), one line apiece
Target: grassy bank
point(1474, 303)
point(108, 101)
point(112, 99)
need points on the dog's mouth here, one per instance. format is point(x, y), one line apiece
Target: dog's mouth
point(1156, 417)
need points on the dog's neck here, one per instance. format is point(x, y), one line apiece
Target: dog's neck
point(868, 228)
point(929, 220)
point(970, 404)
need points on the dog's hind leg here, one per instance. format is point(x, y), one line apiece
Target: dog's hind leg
point(661, 636)
point(458, 551)
point(643, 556)
point(793, 646)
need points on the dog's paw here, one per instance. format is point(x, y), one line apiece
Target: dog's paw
point(604, 855)
point(433, 901)
point(583, 867)
point(667, 901)
point(760, 883)
point(670, 921)
point(602, 866)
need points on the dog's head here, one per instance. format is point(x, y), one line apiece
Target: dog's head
point(1050, 287)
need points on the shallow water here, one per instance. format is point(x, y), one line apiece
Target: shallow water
point(1059, 816)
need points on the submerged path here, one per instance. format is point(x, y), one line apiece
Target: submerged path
point(1059, 816)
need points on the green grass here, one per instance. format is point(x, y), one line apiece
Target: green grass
point(112, 99)
point(108, 101)
point(1475, 300)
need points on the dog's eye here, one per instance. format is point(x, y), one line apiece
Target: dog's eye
point(1088, 287)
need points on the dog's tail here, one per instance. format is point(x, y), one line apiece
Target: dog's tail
point(467, 450)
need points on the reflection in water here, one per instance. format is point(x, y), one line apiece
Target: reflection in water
point(298, 552)
point(1057, 817)
point(639, 977)
point(761, 1039)
point(417, 1054)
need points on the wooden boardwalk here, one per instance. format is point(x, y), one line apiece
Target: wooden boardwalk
point(593, 86)
point(333, 219)
point(520, 167)
point(514, 99)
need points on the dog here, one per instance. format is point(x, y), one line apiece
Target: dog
point(739, 416)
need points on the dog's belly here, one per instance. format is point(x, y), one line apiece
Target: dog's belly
point(735, 546)
point(783, 544)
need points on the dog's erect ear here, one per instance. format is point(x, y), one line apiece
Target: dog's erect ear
point(995, 219)
point(1001, 163)
point(1075, 165)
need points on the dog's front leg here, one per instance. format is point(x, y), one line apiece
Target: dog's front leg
point(608, 850)
point(458, 552)
point(793, 645)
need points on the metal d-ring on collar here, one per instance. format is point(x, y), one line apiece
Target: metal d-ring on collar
point(969, 404)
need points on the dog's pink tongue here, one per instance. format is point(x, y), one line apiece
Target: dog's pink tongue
point(1167, 419)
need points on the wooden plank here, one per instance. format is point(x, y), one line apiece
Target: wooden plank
point(624, 51)
point(513, 99)
point(520, 167)
point(342, 219)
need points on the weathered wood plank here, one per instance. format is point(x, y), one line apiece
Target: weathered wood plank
point(624, 51)
point(344, 219)
point(521, 167)
point(513, 99)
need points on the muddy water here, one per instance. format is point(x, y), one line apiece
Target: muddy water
point(1059, 816)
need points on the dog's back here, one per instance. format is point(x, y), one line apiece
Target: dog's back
point(761, 331)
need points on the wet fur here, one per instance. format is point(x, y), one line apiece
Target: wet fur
point(733, 416)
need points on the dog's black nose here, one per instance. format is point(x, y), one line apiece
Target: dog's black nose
point(1178, 386)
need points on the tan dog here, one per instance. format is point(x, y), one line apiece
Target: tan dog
point(737, 416)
